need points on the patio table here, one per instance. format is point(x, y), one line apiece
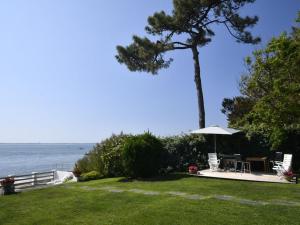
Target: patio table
point(260, 159)
point(229, 161)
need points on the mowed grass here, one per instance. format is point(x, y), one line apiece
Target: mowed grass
point(79, 203)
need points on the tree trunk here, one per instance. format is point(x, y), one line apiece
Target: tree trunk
point(197, 80)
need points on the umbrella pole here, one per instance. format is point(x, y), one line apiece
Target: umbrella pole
point(215, 137)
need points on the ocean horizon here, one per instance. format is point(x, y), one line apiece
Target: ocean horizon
point(24, 158)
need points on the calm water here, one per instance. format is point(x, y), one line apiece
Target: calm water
point(26, 158)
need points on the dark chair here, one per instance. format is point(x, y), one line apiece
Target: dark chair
point(244, 166)
point(278, 156)
point(238, 159)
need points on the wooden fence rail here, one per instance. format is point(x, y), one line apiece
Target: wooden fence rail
point(32, 180)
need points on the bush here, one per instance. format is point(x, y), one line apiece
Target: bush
point(143, 156)
point(76, 171)
point(8, 185)
point(133, 156)
point(93, 175)
point(83, 165)
point(105, 157)
point(184, 150)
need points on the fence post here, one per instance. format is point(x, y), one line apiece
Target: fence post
point(53, 174)
point(13, 185)
point(34, 178)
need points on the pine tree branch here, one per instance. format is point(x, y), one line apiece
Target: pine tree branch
point(231, 33)
point(169, 36)
point(214, 21)
point(173, 48)
point(204, 15)
point(180, 43)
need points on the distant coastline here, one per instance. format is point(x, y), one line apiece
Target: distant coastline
point(20, 158)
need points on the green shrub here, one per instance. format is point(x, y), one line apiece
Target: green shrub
point(105, 157)
point(184, 150)
point(93, 175)
point(143, 156)
point(76, 171)
point(83, 165)
point(137, 156)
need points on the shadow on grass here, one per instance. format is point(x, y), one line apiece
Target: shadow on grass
point(167, 177)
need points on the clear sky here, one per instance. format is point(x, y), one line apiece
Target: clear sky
point(60, 82)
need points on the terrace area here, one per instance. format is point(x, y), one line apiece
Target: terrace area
point(254, 176)
point(259, 169)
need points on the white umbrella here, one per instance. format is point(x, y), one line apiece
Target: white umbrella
point(215, 130)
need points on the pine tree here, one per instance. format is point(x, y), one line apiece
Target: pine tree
point(191, 21)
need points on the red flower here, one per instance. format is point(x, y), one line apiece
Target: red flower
point(193, 169)
point(7, 181)
point(288, 174)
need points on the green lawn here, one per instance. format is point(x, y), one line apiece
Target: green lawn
point(193, 201)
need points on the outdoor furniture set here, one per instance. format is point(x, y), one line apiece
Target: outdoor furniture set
point(235, 163)
point(229, 162)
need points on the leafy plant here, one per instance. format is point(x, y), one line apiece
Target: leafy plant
point(142, 156)
point(105, 157)
point(93, 175)
point(193, 169)
point(186, 149)
point(8, 185)
point(76, 171)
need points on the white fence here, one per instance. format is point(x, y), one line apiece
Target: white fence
point(32, 180)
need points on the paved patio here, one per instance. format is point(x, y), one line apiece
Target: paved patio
point(254, 176)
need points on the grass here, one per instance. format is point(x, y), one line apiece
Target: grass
point(78, 203)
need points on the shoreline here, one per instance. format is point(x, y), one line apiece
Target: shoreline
point(20, 158)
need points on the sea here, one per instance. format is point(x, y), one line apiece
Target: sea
point(19, 159)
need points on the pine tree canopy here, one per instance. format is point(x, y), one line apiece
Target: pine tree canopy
point(189, 25)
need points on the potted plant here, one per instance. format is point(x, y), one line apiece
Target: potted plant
point(288, 175)
point(8, 185)
point(193, 169)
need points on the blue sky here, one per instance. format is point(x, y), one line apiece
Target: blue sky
point(60, 82)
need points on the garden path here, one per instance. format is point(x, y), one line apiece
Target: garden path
point(190, 196)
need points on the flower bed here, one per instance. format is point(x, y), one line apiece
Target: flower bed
point(8, 185)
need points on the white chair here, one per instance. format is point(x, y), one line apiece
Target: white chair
point(285, 166)
point(277, 159)
point(213, 161)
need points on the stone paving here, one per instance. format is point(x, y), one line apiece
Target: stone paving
point(177, 193)
point(251, 202)
point(116, 190)
point(224, 197)
point(189, 196)
point(89, 188)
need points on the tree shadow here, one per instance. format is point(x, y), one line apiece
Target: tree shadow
point(161, 178)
